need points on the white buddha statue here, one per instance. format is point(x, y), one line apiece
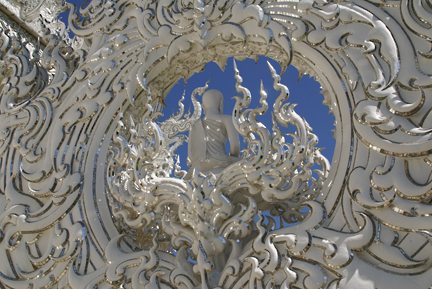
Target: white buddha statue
point(209, 135)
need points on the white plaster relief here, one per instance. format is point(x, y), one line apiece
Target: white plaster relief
point(82, 204)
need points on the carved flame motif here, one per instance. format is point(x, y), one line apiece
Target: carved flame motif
point(209, 216)
point(83, 209)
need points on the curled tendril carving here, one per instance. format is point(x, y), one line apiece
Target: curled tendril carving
point(210, 217)
point(83, 209)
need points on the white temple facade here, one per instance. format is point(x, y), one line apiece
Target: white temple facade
point(92, 194)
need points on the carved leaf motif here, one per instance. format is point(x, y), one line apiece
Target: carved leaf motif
point(70, 186)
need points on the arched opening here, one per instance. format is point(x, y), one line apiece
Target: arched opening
point(257, 77)
point(304, 91)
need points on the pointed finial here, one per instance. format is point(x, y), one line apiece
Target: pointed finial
point(238, 78)
point(272, 70)
point(235, 66)
point(263, 92)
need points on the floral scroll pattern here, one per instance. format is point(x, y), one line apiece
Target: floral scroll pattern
point(76, 122)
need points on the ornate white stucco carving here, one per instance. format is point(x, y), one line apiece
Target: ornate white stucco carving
point(38, 16)
point(91, 192)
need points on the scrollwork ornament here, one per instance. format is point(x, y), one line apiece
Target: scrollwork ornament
point(92, 189)
point(201, 213)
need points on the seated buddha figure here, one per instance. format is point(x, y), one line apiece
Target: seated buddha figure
point(209, 135)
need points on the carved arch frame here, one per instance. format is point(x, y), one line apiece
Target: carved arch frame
point(370, 226)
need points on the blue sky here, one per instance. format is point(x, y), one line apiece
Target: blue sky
point(304, 91)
